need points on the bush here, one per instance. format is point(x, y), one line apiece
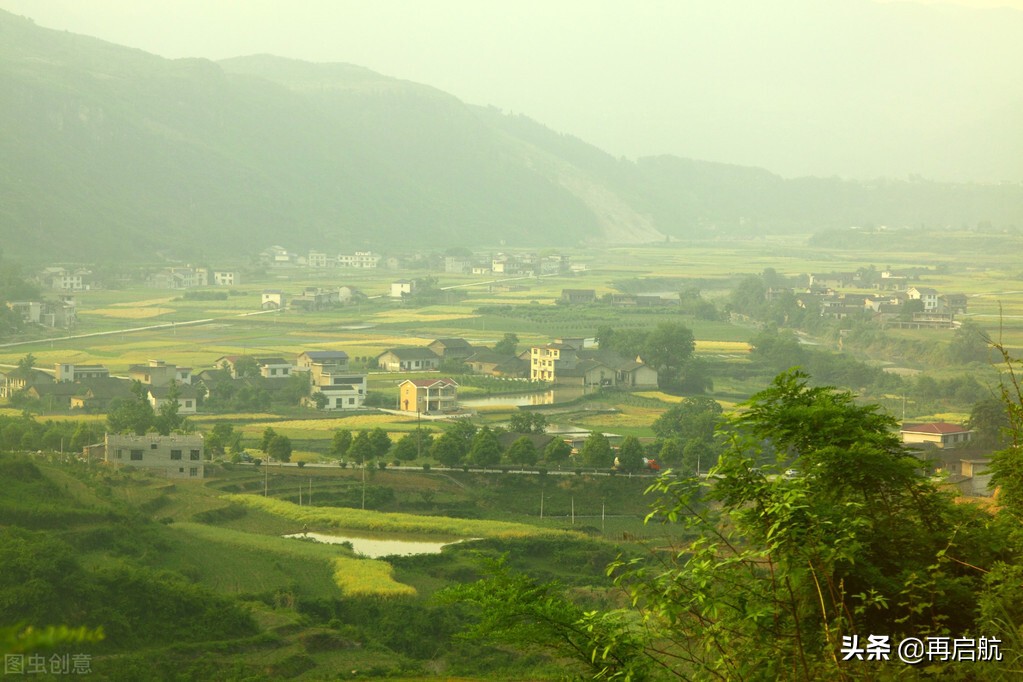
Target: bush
point(426, 466)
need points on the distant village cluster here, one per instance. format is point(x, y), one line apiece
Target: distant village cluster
point(333, 385)
point(526, 264)
point(898, 303)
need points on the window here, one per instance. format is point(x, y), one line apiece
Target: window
point(181, 470)
point(136, 455)
point(193, 471)
point(188, 403)
point(175, 454)
point(194, 455)
point(153, 446)
point(351, 401)
point(120, 453)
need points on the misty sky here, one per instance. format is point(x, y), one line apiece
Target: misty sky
point(854, 88)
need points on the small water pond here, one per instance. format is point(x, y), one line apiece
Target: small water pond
point(550, 397)
point(381, 545)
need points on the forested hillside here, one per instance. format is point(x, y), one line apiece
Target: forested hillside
point(108, 151)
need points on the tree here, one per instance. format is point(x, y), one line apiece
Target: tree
point(596, 451)
point(485, 450)
point(222, 438)
point(280, 448)
point(413, 444)
point(776, 573)
point(969, 344)
point(341, 441)
point(361, 449)
point(508, 345)
point(246, 367)
point(989, 421)
point(522, 451)
point(690, 420)
point(321, 400)
point(131, 415)
point(380, 441)
point(630, 454)
point(667, 348)
point(26, 363)
point(557, 451)
point(168, 418)
point(528, 422)
point(449, 449)
point(268, 435)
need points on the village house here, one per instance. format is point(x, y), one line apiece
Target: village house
point(408, 360)
point(402, 288)
point(187, 398)
point(70, 373)
point(66, 279)
point(20, 379)
point(159, 373)
point(272, 299)
point(95, 395)
point(359, 259)
point(330, 376)
point(578, 296)
point(452, 349)
point(174, 456)
point(428, 395)
point(486, 361)
point(927, 295)
point(939, 434)
point(225, 278)
point(568, 362)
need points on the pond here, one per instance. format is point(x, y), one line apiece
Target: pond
point(382, 545)
point(551, 397)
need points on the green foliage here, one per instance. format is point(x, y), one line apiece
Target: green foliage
point(380, 442)
point(557, 451)
point(528, 422)
point(969, 344)
point(485, 450)
point(131, 415)
point(507, 345)
point(361, 449)
point(341, 441)
point(449, 449)
point(596, 451)
point(515, 610)
point(268, 435)
point(413, 444)
point(522, 451)
point(630, 455)
point(279, 448)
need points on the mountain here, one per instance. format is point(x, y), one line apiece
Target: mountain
point(109, 152)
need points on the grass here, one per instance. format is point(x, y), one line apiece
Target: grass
point(358, 519)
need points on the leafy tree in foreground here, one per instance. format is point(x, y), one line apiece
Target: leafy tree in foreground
point(777, 574)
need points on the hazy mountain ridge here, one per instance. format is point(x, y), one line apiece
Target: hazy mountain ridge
point(111, 152)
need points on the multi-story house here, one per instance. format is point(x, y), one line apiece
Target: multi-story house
point(70, 373)
point(428, 395)
point(175, 456)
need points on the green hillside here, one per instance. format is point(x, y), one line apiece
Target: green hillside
point(110, 152)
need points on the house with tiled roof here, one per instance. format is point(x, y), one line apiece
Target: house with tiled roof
point(428, 395)
point(939, 434)
point(452, 349)
point(408, 360)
